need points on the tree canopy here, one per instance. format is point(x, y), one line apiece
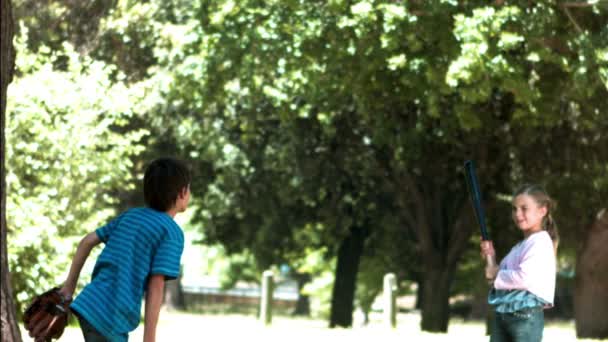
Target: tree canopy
point(68, 155)
point(332, 126)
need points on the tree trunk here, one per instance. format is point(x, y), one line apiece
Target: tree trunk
point(591, 283)
point(343, 294)
point(442, 223)
point(303, 304)
point(435, 308)
point(419, 293)
point(10, 329)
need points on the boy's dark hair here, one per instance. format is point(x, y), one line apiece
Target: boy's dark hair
point(163, 181)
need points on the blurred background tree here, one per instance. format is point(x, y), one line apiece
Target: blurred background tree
point(68, 158)
point(330, 131)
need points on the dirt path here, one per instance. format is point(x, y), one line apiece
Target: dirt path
point(178, 327)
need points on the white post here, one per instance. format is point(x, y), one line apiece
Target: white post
point(266, 299)
point(389, 300)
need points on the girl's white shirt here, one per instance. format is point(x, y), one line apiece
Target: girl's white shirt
point(530, 265)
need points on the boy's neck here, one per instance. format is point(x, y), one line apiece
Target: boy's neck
point(172, 212)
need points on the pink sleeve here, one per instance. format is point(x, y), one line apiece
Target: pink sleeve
point(524, 268)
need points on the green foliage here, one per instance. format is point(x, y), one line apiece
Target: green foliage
point(304, 119)
point(370, 283)
point(52, 23)
point(339, 104)
point(68, 154)
point(320, 288)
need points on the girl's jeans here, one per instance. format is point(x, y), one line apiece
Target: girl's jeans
point(525, 325)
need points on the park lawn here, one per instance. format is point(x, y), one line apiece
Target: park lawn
point(180, 326)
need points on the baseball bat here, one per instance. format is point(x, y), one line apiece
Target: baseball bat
point(477, 202)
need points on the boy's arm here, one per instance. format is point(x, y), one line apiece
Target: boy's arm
point(82, 252)
point(154, 299)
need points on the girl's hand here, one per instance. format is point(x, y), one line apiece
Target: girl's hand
point(487, 249)
point(489, 254)
point(491, 272)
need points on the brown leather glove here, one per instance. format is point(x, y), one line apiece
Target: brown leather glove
point(47, 316)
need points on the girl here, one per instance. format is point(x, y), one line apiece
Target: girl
point(524, 283)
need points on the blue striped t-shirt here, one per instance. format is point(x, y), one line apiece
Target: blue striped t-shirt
point(138, 243)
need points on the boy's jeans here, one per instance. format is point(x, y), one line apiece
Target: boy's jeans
point(91, 334)
point(525, 325)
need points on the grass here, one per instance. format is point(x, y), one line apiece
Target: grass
point(180, 326)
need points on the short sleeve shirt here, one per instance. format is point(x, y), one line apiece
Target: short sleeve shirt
point(139, 243)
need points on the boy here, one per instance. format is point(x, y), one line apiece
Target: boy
point(143, 248)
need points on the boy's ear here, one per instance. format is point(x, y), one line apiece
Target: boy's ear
point(183, 192)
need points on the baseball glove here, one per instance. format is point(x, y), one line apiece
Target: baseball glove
point(47, 316)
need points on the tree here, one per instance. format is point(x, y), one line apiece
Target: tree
point(69, 154)
point(328, 66)
point(10, 329)
point(591, 296)
point(423, 99)
point(307, 118)
point(564, 92)
point(389, 105)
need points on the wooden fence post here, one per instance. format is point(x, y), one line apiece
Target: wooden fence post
point(389, 300)
point(266, 298)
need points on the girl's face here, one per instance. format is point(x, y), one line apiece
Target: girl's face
point(527, 214)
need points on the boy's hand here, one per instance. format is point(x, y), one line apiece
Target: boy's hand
point(66, 292)
point(46, 317)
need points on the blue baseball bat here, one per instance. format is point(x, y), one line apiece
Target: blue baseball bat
point(476, 199)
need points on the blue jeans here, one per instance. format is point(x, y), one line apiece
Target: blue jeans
point(89, 332)
point(93, 335)
point(525, 325)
